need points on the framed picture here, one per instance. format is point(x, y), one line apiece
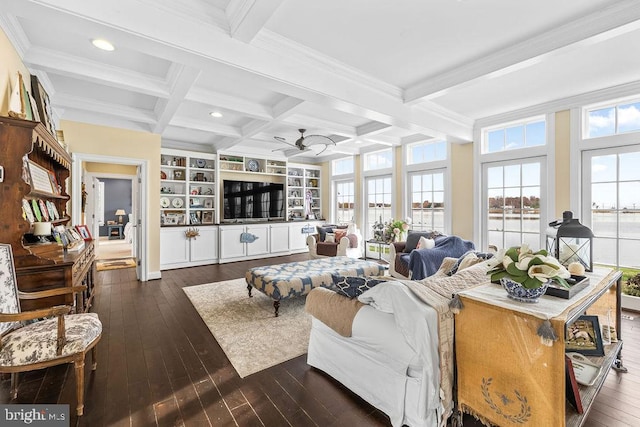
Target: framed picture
point(193, 218)
point(39, 179)
point(207, 217)
point(208, 203)
point(84, 232)
point(43, 105)
point(571, 386)
point(178, 175)
point(584, 336)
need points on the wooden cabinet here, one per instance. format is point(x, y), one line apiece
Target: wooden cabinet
point(178, 250)
point(507, 376)
point(36, 168)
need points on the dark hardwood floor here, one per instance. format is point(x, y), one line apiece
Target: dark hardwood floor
point(158, 364)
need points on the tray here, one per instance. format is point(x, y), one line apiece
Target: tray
point(576, 283)
point(585, 371)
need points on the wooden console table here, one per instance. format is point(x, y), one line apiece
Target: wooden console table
point(505, 374)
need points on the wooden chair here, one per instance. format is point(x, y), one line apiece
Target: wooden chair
point(28, 343)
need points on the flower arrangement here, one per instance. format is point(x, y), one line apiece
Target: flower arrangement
point(391, 230)
point(530, 269)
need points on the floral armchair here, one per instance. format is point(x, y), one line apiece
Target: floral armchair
point(28, 343)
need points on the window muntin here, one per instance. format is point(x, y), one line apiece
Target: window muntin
point(612, 119)
point(378, 201)
point(423, 152)
point(512, 203)
point(529, 133)
point(343, 166)
point(427, 210)
point(378, 160)
point(345, 201)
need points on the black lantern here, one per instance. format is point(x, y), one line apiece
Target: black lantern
point(569, 241)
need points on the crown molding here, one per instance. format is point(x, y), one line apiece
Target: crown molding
point(198, 11)
point(69, 102)
point(15, 33)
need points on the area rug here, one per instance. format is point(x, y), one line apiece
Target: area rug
point(114, 264)
point(247, 330)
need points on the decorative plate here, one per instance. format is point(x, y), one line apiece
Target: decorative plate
point(50, 209)
point(177, 203)
point(36, 209)
point(164, 202)
point(163, 175)
point(253, 165)
point(201, 163)
point(55, 211)
point(27, 210)
point(43, 210)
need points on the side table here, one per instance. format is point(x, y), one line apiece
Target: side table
point(115, 231)
point(380, 245)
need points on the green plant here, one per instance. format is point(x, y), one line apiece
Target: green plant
point(530, 269)
point(632, 286)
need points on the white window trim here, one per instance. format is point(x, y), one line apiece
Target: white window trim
point(334, 195)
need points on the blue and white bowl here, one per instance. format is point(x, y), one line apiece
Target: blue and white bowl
point(519, 293)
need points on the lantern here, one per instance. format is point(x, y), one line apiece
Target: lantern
point(569, 241)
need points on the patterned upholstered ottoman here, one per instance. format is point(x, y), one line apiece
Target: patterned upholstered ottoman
point(283, 281)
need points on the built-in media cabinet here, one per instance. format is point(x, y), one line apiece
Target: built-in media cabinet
point(36, 168)
point(204, 214)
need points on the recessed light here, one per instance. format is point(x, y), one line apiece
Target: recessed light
point(216, 114)
point(103, 44)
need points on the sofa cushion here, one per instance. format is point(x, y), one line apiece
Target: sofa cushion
point(340, 233)
point(414, 236)
point(353, 286)
point(425, 243)
point(322, 231)
point(468, 259)
point(330, 238)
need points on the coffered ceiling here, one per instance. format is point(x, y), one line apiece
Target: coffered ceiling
point(368, 73)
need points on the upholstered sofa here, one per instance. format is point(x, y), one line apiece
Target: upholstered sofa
point(407, 260)
point(335, 241)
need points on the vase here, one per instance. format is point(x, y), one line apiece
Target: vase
point(519, 293)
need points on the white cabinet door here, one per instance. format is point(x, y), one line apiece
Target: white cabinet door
point(205, 246)
point(298, 237)
point(230, 245)
point(260, 246)
point(174, 246)
point(279, 238)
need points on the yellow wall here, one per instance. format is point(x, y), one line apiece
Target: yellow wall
point(562, 158)
point(462, 190)
point(101, 140)
point(10, 64)
point(92, 167)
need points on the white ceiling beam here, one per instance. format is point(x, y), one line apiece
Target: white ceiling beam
point(612, 21)
point(247, 17)
point(181, 78)
point(220, 129)
point(286, 107)
point(289, 67)
point(103, 108)
point(79, 68)
point(228, 102)
point(371, 128)
point(302, 121)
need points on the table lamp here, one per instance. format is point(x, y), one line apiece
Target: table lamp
point(42, 230)
point(120, 212)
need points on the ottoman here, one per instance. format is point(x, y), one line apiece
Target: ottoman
point(283, 281)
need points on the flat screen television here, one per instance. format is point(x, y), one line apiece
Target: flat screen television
point(252, 200)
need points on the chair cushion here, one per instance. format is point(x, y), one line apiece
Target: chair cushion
point(414, 237)
point(322, 231)
point(37, 342)
point(327, 248)
point(339, 234)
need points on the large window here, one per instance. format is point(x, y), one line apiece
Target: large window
point(427, 200)
point(378, 201)
point(612, 119)
point(524, 134)
point(612, 200)
point(343, 166)
point(422, 152)
point(345, 201)
point(512, 203)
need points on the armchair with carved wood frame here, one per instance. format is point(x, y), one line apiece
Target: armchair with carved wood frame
point(28, 343)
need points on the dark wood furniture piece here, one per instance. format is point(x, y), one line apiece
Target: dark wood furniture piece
point(27, 147)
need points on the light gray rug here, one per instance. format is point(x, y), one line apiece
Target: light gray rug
point(246, 329)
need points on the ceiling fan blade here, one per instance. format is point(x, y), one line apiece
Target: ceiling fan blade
point(281, 139)
point(290, 152)
point(318, 139)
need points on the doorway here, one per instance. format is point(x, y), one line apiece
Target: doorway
point(139, 212)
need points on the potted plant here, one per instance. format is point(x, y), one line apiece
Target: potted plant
point(525, 274)
point(631, 293)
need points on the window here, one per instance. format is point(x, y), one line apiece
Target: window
point(612, 201)
point(378, 201)
point(345, 201)
point(343, 166)
point(422, 152)
point(612, 119)
point(427, 209)
point(512, 202)
point(378, 160)
point(529, 133)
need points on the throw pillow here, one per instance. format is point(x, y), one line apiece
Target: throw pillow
point(425, 243)
point(414, 237)
point(468, 259)
point(340, 234)
point(353, 286)
point(329, 238)
point(322, 231)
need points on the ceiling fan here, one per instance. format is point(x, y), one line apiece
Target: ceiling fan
point(304, 143)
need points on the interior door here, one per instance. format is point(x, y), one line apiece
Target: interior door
point(95, 203)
